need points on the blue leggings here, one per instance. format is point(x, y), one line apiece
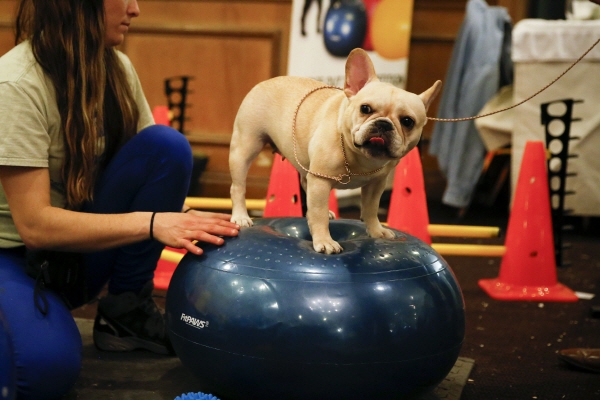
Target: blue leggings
point(150, 173)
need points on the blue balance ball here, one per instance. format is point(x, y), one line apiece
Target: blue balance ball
point(8, 378)
point(345, 27)
point(265, 316)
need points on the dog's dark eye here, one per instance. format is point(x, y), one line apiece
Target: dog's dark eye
point(366, 109)
point(407, 122)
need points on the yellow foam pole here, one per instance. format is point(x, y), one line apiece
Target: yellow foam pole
point(213, 203)
point(483, 250)
point(464, 231)
point(469, 231)
point(171, 256)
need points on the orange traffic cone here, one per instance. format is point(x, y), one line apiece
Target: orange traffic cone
point(283, 193)
point(164, 271)
point(528, 268)
point(408, 203)
point(161, 115)
point(333, 203)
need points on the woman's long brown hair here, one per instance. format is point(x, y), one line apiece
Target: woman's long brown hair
point(92, 92)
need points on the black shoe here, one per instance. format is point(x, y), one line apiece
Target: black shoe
point(588, 359)
point(130, 321)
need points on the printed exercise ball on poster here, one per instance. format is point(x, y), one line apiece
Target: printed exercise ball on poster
point(390, 28)
point(345, 27)
point(266, 317)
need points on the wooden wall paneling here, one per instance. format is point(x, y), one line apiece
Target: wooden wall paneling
point(434, 30)
point(435, 57)
point(228, 47)
point(7, 15)
point(517, 9)
point(7, 37)
point(222, 14)
point(225, 64)
point(8, 9)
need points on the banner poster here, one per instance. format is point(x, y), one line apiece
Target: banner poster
point(325, 31)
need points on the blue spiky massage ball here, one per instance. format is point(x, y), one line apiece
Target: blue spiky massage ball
point(196, 396)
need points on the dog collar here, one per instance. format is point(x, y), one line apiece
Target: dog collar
point(343, 179)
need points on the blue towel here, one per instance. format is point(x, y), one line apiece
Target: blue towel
point(479, 66)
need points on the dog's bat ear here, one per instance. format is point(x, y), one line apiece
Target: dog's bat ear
point(359, 72)
point(430, 94)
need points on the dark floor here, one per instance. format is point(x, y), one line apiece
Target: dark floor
point(514, 344)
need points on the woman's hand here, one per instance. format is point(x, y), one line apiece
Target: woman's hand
point(43, 226)
point(182, 230)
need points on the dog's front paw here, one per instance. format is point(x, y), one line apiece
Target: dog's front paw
point(243, 222)
point(381, 233)
point(329, 246)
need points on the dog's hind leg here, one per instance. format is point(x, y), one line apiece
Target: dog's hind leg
point(243, 150)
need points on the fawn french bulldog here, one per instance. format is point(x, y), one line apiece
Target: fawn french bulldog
point(335, 138)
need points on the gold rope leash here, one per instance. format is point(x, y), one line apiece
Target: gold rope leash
point(344, 179)
point(521, 102)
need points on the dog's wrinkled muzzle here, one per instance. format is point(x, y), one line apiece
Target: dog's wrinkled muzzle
point(378, 139)
point(383, 125)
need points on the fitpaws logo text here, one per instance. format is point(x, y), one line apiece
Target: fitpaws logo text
point(194, 322)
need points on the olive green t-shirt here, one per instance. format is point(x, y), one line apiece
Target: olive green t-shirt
point(30, 129)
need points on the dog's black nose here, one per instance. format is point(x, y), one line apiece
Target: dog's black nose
point(384, 126)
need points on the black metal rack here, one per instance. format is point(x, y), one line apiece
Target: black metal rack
point(176, 90)
point(558, 137)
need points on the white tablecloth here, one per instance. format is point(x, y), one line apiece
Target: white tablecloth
point(542, 50)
